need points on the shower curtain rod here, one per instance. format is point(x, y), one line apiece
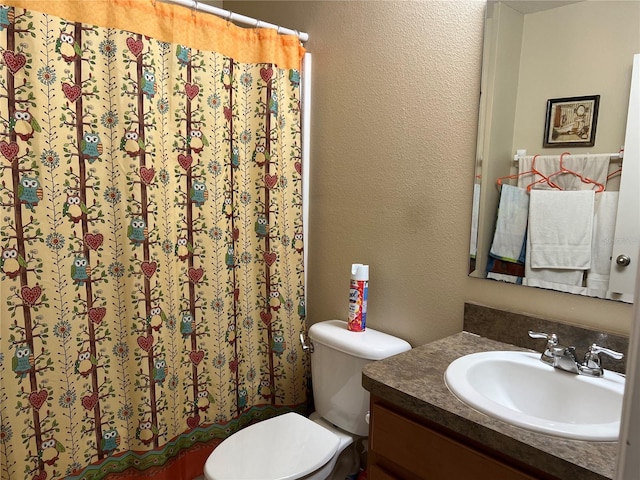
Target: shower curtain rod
point(237, 18)
point(614, 156)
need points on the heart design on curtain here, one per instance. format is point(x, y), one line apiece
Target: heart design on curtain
point(191, 90)
point(135, 46)
point(96, 314)
point(185, 161)
point(196, 357)
point(89, 401)
point(195, 274)
point(93, 240)
point(145, 343)
point(147, 174)
point(14, 61)
point(37, 399)
point(266, 74)
point(9, 150)
point(270, 180)
point(266, 317)
point(148, 268)
point(31, 294)
point(270, 258)
point(194, 421)
point(233, 366)
point(72, 92)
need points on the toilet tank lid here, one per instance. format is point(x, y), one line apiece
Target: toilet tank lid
point(370, 344)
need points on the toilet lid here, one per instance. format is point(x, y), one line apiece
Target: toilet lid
point(285, 447)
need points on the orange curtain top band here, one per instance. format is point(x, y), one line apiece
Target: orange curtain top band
point(177, 24)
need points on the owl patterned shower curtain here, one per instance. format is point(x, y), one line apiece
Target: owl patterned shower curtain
point(152, 283)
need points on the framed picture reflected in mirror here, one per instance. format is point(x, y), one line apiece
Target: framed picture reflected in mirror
point(571, 121)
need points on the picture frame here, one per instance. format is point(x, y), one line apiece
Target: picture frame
point(571, 121)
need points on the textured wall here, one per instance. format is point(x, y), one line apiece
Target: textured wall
point(394, 117)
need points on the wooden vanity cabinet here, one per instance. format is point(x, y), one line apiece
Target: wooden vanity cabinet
point(404, 446)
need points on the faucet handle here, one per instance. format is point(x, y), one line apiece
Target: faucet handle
point(548, 355)
point(596, 349)
point(552, 339)
point(591, 365)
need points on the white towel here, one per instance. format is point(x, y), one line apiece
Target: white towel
point(604, 225)
point(594, 167)
point(501, 277)
point(475, 210)
point(511, 224)
point(561, 229)
point(570, 281)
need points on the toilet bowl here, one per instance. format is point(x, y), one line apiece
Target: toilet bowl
point(291, 446)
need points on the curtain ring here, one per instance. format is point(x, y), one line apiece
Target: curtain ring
point(258, 22)
point(194, 9)
point(278, 29)
point(229, 17)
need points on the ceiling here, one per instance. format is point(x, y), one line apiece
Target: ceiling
point(533, 6)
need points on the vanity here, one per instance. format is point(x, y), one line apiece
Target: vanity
point(419, 429)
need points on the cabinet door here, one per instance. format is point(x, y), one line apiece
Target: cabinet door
point(623, 279)
point(376, 473)
point(427, 454)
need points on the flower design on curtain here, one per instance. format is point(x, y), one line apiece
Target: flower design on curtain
point(152, 275)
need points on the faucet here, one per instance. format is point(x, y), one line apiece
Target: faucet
point(591, 365)
point(565, 358)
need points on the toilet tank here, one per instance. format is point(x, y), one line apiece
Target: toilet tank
point(336, 370)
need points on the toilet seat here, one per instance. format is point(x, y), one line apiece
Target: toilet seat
point(286, 447)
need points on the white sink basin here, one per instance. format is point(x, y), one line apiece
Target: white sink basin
point(518, 388)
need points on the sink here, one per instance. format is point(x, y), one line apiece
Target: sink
point(518, 388)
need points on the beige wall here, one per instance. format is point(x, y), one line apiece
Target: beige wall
point(394, 117)
point(570, 51)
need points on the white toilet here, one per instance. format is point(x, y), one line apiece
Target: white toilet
point(291, 446)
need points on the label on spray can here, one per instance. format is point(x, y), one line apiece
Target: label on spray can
point(358, 292)
point(358, 305)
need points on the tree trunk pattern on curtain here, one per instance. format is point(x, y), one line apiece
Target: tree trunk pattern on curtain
point(152, 254)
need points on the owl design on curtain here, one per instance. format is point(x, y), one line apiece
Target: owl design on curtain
point(29, 192)
point(23, 361)
point(75, 208)
point(67, 47)
point(199, 193)
point(12, 262)
point(91, 146)
point(24, 124)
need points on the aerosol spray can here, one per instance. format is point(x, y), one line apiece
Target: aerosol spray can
point(358, 293)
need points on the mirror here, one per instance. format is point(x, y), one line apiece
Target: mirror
point(534, 52)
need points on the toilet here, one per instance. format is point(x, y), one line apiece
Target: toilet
point(292, 446)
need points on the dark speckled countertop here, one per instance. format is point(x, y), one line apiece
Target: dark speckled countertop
point(414, 381)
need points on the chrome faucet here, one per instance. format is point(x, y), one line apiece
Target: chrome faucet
point(564, 358)
point(591, 365)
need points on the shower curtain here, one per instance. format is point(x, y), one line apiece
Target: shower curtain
point(152, 283)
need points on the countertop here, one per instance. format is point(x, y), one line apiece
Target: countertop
point(414, 381)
